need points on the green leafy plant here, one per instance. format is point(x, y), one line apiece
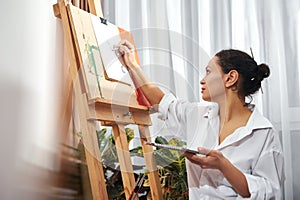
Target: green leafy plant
point(109, 159)
point(170, 163)
point(172, 170)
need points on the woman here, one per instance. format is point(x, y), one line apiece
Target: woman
point(246, 160)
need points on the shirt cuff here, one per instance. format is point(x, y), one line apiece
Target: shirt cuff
point(252, 185)
point(164, 104)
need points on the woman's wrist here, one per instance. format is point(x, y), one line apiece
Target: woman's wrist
point(133, 66)
point(225, 165)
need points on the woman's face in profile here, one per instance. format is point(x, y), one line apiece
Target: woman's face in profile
point(213, 84)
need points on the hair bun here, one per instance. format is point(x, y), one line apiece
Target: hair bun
point(263, 71)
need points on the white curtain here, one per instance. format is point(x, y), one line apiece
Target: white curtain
point(175, 39)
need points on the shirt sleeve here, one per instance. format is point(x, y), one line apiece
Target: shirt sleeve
point(267, 177)
point(174, 113)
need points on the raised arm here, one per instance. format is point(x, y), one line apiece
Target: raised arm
point(152, 92)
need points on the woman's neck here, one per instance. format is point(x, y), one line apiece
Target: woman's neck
point(233, 114)
point(232, 108)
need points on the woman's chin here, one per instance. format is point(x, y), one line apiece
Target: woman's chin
point(206, 98)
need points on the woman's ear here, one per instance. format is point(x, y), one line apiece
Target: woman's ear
point(231, 78)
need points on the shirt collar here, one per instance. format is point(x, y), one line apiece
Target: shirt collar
point(256, 121)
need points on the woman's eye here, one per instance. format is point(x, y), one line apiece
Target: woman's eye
point(207, 71)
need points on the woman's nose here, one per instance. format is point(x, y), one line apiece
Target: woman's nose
point(202, 81)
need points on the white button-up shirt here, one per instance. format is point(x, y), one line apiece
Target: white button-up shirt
point(254, 149)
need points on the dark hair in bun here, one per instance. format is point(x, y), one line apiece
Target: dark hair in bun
point(263, 71)
point(250, 73)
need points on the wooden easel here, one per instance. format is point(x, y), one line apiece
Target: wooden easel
point(106, 110)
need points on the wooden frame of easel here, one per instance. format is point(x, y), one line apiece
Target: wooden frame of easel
point(107, 112)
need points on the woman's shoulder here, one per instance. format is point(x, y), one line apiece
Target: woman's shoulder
point(262, 126)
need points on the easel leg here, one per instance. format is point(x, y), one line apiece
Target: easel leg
point(95, 167)
point(155, 186)
point(91, 147)
point(124, 159)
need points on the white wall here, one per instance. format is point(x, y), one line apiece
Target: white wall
point(31, 59)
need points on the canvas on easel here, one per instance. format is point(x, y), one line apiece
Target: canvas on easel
point(104, 74)
point(108, 36)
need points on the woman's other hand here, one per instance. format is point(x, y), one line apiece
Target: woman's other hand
point(213, 160)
